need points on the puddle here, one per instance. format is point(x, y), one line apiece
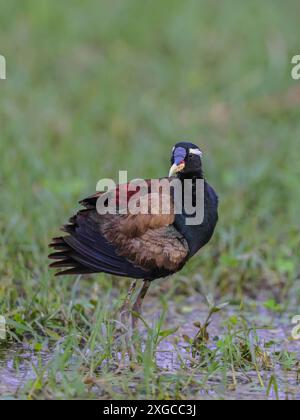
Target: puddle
point(269, 329)
point(18, 363)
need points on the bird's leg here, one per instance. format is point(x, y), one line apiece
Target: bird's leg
point(125, 308)
point(137, 306)
point(125, 313)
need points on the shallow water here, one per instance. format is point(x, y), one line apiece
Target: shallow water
point(277, 330)
point(18, 363)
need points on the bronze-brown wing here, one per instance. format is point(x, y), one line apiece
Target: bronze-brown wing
point(139, 246)
point(85, 250)
point(148, 239)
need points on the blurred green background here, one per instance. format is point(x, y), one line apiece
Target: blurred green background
point(99, 86)
point(96, 87)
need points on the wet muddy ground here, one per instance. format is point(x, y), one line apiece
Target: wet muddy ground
point(18, 364)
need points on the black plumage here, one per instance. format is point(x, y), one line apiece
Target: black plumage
point(138, 246)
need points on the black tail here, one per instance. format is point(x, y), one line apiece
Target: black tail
point(64, 258)
point(85, 250)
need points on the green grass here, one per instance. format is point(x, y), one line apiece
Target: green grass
point(113, 85)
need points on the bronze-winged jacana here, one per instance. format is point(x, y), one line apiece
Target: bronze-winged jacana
point(139, 246)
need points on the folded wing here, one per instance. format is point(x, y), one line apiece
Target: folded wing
point(144, 246)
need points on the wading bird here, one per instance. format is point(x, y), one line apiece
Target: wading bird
point(140, 246)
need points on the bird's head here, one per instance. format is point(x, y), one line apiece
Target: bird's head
point(186, 160)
